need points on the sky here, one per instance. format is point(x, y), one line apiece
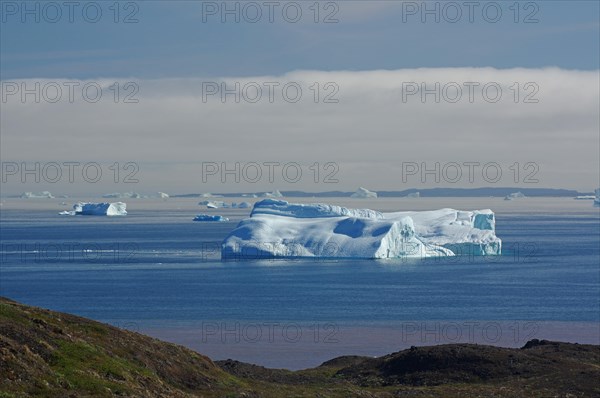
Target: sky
point(201, 96)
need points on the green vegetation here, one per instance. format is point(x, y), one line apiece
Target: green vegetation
point(50, 354)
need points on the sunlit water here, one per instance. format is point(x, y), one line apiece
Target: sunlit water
point(157, 272)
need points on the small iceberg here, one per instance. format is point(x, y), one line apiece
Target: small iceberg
point(97, 209)
point(124, 195)
point(37, 195)
point(209, 218)
point(134, 195)
point(585, 197)
point(514, 195)
point(363, 193)
point(217, 204)
point(274, 194)
point(414, 195)
point(213, 204)
point(597, 199)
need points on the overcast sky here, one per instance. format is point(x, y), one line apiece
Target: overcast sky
point(510, 89)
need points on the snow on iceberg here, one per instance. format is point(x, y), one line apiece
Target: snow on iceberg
point(463, 232)
point(362, 193)
point(277, 228)
point(283, 208)
point(206, 217)
point(97, 209)
point(266, 236)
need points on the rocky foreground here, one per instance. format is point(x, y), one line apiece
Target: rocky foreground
point(51, 354)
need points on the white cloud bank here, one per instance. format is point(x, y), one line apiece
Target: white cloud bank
point(373, 128)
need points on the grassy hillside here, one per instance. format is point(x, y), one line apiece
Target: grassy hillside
point(50, 354)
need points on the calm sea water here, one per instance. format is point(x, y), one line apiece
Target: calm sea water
point(158, 272)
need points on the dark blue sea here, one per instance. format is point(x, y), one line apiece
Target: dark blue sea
point(157, 272)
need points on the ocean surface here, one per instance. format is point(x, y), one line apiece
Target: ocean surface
point(157, 272)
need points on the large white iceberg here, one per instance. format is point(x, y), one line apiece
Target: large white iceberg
point(97, 209)
point(277, 228)
point(363, 193)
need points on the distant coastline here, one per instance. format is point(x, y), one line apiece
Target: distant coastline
point(431, 192)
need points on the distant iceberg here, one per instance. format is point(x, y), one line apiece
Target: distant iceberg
point(213, 204)
point(241, 205)
point(274, 194)
point(514, 195)
point(206, 217)
point(37, 195)
point(597, 199)
point(585, 197)
point(280, 229)
point(97, 209)
point(217, 204)
point(134, 195)
point(414, 195)
point(363, 193)
point(124, 195)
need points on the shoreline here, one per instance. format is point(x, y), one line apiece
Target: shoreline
point(47, 353)
point(306, 345)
